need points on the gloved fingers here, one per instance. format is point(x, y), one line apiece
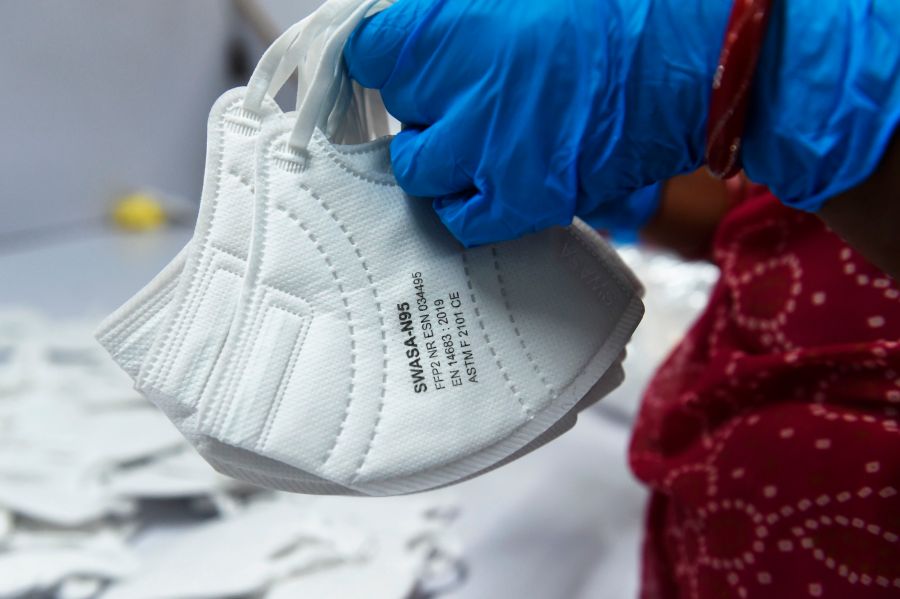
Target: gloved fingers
point(374, 47)
point(425, 163)
point(474, 218)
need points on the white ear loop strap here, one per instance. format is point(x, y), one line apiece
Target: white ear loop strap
point(313, 48)
point(290, 52)
point(325, 86)
point(271, 68)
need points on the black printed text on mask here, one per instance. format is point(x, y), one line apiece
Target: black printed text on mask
point(446, 354)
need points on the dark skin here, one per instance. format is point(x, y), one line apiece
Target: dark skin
point(689, 213)
point(867, 217)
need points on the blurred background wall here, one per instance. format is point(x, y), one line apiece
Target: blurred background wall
point(105, 96)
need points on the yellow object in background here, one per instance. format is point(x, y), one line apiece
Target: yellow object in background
point(139, 212)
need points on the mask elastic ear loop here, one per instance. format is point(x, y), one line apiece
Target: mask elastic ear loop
point(291, 52)
point(326, 83)
point(285, 55)
point(270, 66)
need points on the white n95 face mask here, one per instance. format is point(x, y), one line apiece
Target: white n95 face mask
point(358, 348)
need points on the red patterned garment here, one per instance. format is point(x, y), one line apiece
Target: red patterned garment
point(770, 436)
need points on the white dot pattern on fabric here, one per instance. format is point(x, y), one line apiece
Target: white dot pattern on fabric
point(774, 402)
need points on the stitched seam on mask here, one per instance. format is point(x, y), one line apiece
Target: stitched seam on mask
point(205, 279)
point(383, 330)
point(512, 321)
point(525, 409)
point(126, 346)
point(201, 284)
point(159, 304)
point(132, 320)
point(282, 385)
point(227, 252)
point(127, 326)
point(242, 179)
point(194, 402)
point(167, 344)
point(312, 237)
point(332, 154)
point(616, 278)
point(220, 414)
point(352, 151)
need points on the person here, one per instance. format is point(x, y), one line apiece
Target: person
point(770, 436)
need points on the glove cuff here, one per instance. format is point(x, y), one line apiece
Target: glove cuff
point(826, 100)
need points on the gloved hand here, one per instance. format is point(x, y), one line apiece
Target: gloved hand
point(521, 115)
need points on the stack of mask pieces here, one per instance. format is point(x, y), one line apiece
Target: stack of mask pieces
point(323, 333)
point(101, 498)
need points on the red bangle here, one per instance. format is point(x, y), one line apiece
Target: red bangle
point(731, 85)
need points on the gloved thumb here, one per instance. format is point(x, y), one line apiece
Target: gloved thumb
point(375, 45)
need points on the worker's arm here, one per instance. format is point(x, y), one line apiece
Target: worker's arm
point(689, 211)
point(868, 216)
point(521, 115)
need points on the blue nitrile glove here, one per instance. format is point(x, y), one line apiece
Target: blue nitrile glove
point(523, 114)
point(624, 218)
point(826, 99)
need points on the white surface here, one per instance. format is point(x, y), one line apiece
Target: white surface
point(561, 523)
point(85, 276)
